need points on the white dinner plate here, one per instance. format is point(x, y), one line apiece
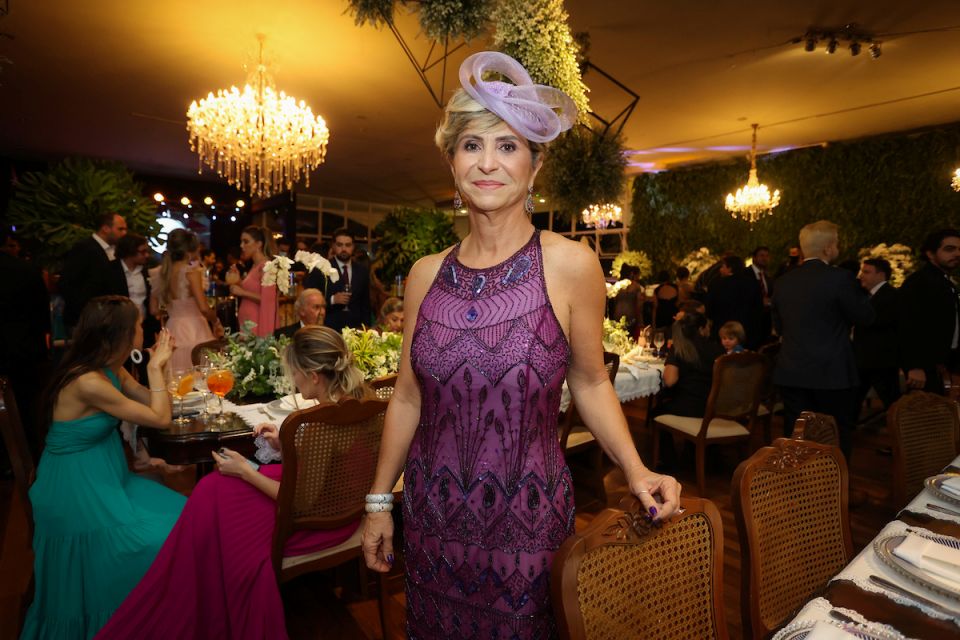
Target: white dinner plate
point(286, 404)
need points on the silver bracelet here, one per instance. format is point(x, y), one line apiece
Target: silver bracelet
point(158, 390)
point(379, 498)
point(377, 507)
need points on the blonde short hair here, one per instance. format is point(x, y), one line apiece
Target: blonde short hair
point(817, 236)
point(462, 112)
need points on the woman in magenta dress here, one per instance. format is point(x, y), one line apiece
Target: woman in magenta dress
point(495, 323)
point(213, 577)
point(258, 302)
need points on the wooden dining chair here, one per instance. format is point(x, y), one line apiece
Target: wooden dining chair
point(790, 503)
point(623, 577)
point(770, 402)
point(731, 412)
point(583, 453)
point(383, 387)
point(817, 427)
point(214, 346)
point(329, 460)
point(925, 429)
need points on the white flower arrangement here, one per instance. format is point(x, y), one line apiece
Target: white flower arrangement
point(255, 363)
point(277, 272)
point(900, 257)
point(536, 33)
point(616, 339)
point(698, 261)
point(315, 261)
point(635, 259)
point(375, 354)
point(617, 287)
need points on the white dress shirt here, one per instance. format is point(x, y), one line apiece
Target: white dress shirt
point(136, 287)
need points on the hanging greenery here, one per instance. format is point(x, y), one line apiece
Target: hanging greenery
point(409, 234)
point(376, 13)
point(535, 32)
point(636, 259)
point(582, 168)
point(893, 188)
point(443, 19)
point(59, 207)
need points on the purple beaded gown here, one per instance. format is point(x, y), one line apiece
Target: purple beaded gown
point(488, 497)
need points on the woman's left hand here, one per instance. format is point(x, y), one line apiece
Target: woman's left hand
point(236, 290)
point(659, 494)
point(231, 463)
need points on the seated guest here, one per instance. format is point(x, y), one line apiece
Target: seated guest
point(688, 372)
point(391, 316)
point(213, 578)
point(732, 337)
point(98, 527)
point(311, 309)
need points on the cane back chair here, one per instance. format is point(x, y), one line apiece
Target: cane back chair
point(790, 502)
point(817, 427)
point(925, 429)
point(623, 577)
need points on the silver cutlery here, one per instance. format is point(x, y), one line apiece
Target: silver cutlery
point(264, 411)
point(936, 507)
point(842, 617)
point(910, 595)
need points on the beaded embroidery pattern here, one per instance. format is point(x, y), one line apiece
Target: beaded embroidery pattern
point(488, 497)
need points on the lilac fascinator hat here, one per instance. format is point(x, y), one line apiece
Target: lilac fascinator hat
point(537, 112)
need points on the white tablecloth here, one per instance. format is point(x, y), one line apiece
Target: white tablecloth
point(633, 381)
point(818, 610)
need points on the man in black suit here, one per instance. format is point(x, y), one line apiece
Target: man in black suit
point(875, 346)
point(735, 296)
point(129, 278)
point(930, 314)
point(349, 297)
point(762, 285)
point(814, 307)
point(86, 269)
point(311, 309)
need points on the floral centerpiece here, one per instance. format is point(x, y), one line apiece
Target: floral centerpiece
point(698, 261)
point(635, 259)
point(255, 363)
point(375, 354)
point(277, 271)
point(900, 257)
point(616, 339)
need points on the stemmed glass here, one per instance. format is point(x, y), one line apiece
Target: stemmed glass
point(181, 383)
point(220, 382)
point(645, 338)
point(658, 341)
point(347, 289)
point(200, 373)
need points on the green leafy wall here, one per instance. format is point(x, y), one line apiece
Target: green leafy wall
point(893, 188)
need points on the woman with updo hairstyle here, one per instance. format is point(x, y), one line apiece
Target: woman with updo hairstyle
point(214, 577)
point(258, 302)
point(178, 289)
point(97, 527)
point(493, 326)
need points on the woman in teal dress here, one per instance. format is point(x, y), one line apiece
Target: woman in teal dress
point(97, 526)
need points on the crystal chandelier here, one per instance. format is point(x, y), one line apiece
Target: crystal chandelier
point(955, 183)
point(753, 200)
point(601, 216)
point(260, 140)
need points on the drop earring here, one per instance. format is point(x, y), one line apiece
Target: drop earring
point(457, 202)
point(528, 205)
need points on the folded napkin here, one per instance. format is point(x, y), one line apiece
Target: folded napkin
point(826, 631)
point(951, 486)
point(932, 557)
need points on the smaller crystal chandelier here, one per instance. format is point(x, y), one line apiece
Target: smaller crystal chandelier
point(261, 140)
point(753, 200)
point(955, 183)
point(601, 216)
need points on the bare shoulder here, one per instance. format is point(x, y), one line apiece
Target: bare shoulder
point(90, 383)
point(573, 260)
point(426, 267)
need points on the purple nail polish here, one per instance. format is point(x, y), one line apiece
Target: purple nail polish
point(390, 559)
point(653, 511)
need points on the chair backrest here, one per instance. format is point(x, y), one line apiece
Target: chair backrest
point(329, 460)
point(790, 501)
point(15, 439)
point(924, 428)
point(817, 427)
point(738, 381)
point(383, 387)
point(623, 577)
point(611, 362)
point(212, 345)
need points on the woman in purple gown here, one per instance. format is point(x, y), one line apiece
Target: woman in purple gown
point(213, 577)
point(498, 322)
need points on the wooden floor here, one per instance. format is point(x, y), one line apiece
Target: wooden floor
point(318, 607)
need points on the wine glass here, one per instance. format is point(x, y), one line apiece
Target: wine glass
point(347, 289)
point(658, 341)
point(220, 382)
point(646, 338)
point(200, 373)
point(181, 383)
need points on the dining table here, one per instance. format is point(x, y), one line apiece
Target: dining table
point(635, 380)
point(881, 596)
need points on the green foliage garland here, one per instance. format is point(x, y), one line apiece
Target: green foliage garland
point(376, 13)
point(61, 206)
point(410, 234)
point(442, 19)
point(886, 189)
point(535, 32)
point(583, 168)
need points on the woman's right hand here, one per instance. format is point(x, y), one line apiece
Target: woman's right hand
point(233, 275)
point(377, 541)
point(270, 433)
point(162, 349)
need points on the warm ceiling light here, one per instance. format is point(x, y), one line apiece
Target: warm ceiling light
point(601, 216)
point(208, 201)
point(241, 203)
point(832, 46)
point(810, 44)
point(753, 200)
point(854, 48)
point(184, 200)
point(955, 183)
point(259, 139)
point(158, 196)
point(875, 50)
